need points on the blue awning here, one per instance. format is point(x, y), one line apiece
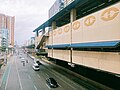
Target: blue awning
point(58, 46)
point(107, 44)
point(96, 44)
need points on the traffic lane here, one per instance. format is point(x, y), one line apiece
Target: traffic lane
point(64, 82)
point(39, 84)
point(68, 84)
point(26, 82)
point(13, 83)
point(71, 76)
point(63, 85)
point(65, 76)
point(41, 76)
point(38, 79)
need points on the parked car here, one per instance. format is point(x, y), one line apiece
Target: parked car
point(36, 67)
point(52, 82)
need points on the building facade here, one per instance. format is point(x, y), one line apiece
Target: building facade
point(56, 7)
point(5, 38)
point(7, 28)
point(86, 35)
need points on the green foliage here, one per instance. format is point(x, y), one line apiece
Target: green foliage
point(3, 48)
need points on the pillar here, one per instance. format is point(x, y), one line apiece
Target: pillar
point(43, 30)
point(73, 15)
point(37, 34)
point(72, 18)
point(54, 25)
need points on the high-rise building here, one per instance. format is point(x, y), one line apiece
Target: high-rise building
point(10, 27)
point(5, 38)
point(7, 22)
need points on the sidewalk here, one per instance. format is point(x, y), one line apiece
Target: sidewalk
point(3, 67)
point(2, 72)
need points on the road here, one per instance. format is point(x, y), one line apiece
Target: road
point(19, 77)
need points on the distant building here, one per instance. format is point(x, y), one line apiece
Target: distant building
point(5, 38)
point(56, 7)
point(29, 42)
point(32, 40)
point(7, 25)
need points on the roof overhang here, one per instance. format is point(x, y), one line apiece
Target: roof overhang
point(61, 13)
point(107, 44)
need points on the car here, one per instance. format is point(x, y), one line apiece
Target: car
point(36, 67)
point(52, 82)
point(22, 59)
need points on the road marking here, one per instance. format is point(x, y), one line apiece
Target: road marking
point(59, 85)
point(38, 75)
point(48, 86)
point(47, 75)
point(67, 83)
point(8, 78)
point(62, 80)
point(18, 76)
point(29, 77)
point(35, 87)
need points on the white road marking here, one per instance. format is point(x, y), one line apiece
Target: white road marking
point(48, 86)
point(29, 77)
point(35, 87)
point(59, 85)
point(38, 75)
point(67, 83)
point(47, 75)
point(18, 76)
point(64, 81)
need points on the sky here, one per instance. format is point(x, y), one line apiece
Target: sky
point(29, 14)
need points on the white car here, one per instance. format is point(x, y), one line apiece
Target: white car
point(36, 67)
point(22, 59)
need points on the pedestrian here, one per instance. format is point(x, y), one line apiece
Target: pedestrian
point(26, 61)
point(23, 63)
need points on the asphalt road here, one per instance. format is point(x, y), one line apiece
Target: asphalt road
point(19, 77)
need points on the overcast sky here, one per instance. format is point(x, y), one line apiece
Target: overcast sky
point(29, 14)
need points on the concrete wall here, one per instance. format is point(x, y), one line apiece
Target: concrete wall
point(107, 61)
point(100, 26)
point(62, 35)
point(50, 53)
point(62, 55)
point(50, 39)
